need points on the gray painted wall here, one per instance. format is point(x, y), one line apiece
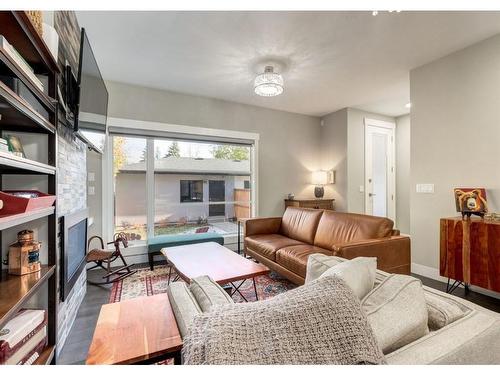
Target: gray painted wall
point(455, 132)
point(288, 146)
point(403, 173)
point(334, 155)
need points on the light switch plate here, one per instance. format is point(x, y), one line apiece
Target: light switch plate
point(425, 188)
point(361, 189)
point(91, 176)
point(91, 190)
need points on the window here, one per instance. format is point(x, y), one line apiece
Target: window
point(129, 177)
point(168, 186)
point(191, 191)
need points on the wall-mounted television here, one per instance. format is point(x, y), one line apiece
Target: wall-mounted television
point(92, 112)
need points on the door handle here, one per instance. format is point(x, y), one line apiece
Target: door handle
point(371, 194)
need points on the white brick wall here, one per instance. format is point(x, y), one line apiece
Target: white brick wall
point(71, 196)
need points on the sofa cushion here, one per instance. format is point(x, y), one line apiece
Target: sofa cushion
point(183, 304)
point(318, 263)
point(397, 311)
point(300, 223)
point(267, 244)
point(156, 243)
point(336, 228)
point(442, 311)
point(208, 293)
point(358, 274)
point(294, 258)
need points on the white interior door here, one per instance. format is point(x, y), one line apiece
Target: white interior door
point(380, 180)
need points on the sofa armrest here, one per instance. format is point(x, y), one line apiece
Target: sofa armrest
point(265, 225)
point(393, 253)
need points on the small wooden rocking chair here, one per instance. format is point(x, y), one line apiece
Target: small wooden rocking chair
point(101, 256)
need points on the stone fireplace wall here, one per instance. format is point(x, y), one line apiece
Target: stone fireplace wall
point(71, 197)
point(71, 165)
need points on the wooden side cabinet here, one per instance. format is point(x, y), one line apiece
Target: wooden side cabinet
point(323, 204)
point(470, 252)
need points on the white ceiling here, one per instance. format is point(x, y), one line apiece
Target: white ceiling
point(332, 59)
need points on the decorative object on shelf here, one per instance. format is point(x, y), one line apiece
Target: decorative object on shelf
point(471, 201)
point(15, 145)
point(23, 338)
point(492, 216)
point(319, 178)
point(17, 202)
point(330, 176)
point(51, 39)
point(20, 89)
point(4, 147)
point(24, 254)
point(290, 196)
point(268, 83)
point(36, 19)
point(20, 61)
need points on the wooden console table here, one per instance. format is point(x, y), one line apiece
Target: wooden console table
point(324, 204)
point(470, 252)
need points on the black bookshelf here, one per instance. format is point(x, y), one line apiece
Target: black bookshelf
point(18, 115)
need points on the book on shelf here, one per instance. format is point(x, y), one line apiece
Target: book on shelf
point(20, 61)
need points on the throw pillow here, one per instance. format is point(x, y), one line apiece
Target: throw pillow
point(397, 312)
point(357, 273)
point(183, 304)
point(442, 310)
point(208, 293)
point(317, 264)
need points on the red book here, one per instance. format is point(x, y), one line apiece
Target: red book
point(23, 336)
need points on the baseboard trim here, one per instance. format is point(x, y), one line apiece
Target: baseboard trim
point(433, 273)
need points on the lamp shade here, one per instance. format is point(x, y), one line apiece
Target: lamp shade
point(319, 178)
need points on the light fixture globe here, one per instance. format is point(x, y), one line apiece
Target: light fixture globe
point(268, 83)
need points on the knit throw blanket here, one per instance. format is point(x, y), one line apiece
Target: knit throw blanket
point(318, 323)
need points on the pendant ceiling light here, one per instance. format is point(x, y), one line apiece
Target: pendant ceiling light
point(268, 83)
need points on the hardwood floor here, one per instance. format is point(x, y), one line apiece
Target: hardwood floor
point(78, 342)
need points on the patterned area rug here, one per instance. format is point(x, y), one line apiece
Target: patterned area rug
point(147, 283)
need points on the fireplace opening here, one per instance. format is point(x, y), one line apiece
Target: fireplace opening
point(73, 249)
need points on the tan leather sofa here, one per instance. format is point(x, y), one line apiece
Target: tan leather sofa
point(285, 243)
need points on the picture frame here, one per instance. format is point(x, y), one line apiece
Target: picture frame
point(471, 201)
point(15, 145)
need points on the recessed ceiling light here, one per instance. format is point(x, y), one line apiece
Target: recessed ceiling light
point(408, 105)
point(375, 12)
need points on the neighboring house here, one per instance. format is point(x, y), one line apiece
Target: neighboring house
point(186, 190)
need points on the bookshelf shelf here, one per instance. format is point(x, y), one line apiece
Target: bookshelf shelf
point(12, 164)
point(17, 113)
point(16, 290)
point(9, 67)
point(46, 356)
point(9, 221)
